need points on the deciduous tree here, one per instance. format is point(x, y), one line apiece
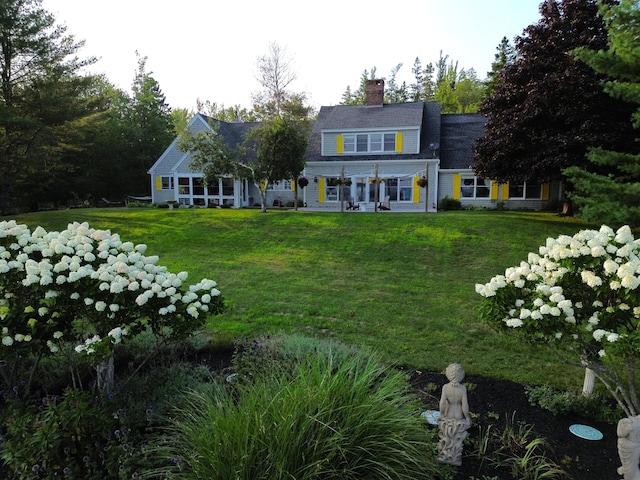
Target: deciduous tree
point(548, 108)
point(280, 146)
point(459, 91)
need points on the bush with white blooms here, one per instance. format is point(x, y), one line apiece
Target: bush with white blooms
point(580, 295)
point(90, 289)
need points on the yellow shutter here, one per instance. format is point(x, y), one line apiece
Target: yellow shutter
point(416, 190)
point(456, 186)
point(505, 191)
point(494, 190)
point(321, 190)
point(545, 191)
point(158, 183)
point(293, 185)
point(399, 142)
point(339, 144)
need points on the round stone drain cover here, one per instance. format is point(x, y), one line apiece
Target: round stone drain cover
point(431, 416)
point(586, 432)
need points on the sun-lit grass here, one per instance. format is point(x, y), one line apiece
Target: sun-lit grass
point(402, 283)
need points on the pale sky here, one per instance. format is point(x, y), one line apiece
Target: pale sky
point(208, 49)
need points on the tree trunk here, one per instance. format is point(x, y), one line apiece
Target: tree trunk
point(567, 208)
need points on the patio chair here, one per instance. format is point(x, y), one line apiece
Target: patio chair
point(385, 204)
point(352, 205)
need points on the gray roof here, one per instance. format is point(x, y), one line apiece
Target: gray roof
point(234, 133)
point(456, 133)
point(459, 132)
point(345, 117)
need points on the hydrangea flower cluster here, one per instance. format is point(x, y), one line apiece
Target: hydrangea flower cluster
point(89, 287)
point(579, 294)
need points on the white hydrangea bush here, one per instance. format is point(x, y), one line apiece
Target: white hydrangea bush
point(90, 288)
point(579, 295)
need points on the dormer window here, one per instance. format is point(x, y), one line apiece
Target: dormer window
point(369, 142)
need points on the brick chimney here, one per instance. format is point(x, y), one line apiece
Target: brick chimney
point(374, 90)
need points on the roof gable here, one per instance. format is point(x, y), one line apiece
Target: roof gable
point(234, 135)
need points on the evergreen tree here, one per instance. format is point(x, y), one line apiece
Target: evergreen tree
point(45, 106)
point(458, 91)
point(613, 196)
point(548, 108)
point(360, 95)
point(422, 89)
point(394, 92)
point(152, 129)
point(506, 56)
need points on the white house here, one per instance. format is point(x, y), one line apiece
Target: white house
point(403, 157)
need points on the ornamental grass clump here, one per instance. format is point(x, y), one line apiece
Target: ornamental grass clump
point(580, 296)
point(89, 289)
point(326, 419)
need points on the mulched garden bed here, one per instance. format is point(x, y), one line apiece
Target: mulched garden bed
point(490, 398)
point(494, 402)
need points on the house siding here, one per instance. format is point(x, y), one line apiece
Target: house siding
point(421, 200)
point(446, 182)
point(434, 145)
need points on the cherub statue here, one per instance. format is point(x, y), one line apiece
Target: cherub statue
point(629, 447)
point(454, 420)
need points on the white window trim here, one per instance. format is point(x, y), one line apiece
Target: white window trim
point(351, 140)
point(170, 182)
point(280, 186)
point(475, 187)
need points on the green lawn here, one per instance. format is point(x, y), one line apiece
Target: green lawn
point(402, 283)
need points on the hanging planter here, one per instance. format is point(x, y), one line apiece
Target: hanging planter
point(422, 182)
point(303, 182)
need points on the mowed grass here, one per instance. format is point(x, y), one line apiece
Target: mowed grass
point(400, 283)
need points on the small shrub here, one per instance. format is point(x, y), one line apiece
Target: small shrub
point(448, 203)
point(138, 204)
point(259, 357)
point(324, 416)
point(594, 406)
point(62, 436)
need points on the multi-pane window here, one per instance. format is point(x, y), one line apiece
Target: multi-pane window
point(527, 190)
point(167, 183)
point(184, 185)
point(474, 187)
point(198, 186)
point(399, 189)
point(335, 190)
point(369, 142)
point(281, 185)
